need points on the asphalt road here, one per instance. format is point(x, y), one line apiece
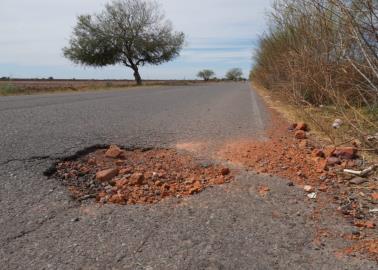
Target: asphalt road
point(226, 227)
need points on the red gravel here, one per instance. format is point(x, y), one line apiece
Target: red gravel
point(138, 177)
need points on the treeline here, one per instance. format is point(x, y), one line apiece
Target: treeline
point(323, 52)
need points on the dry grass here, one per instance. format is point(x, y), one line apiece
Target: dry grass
point(305, 61)
point(319, 119)
point(29, 87)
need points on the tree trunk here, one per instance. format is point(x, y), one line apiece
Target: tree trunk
point(137, 77)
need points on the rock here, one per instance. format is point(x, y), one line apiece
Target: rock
point(321, 166)
point(332, 161)
point(365, 224)
point(318, 153)
point(323, 188)
point(290, 184)
point(358, 181)
point(125, 171)
point(300, 135)
point(337, 123)
point(219, 181)
point(137, 179)
point(304, 144)
point(106, 175)
point(92, 161)
point(292, 126)
point(225, 171)
point(301, 126)
point(328, 150)
point(119, 162)
point(113, 152)
point(117, 199)
point(312, 195)
point(308, 188)
point(121, 183)
point(345, 152)
point(196, 188)
point(76, 219)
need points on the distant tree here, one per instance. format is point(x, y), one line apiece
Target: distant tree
point(50, 78)
point(234, 74)
point(206, 74)
point(129, 32)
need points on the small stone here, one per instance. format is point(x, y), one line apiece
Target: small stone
point(304, 144)
point(332, 161)
point(292, 126)
point(345, 152)
point(302, 126)
point(323, 188)
point(225, 171)
point(290, 184)
point(323, 177)
point(358, 181)
point(328, 150)
point(113, 152)
point(219, 181)
point(119, 162)
point(300, 135)
point(318, 153)
point(76, 219)
point(137, 179)
point(106, 175)
point(125, 171)
point(308, 188)
point(321, 166)
point(121, 183)
point(312, 195)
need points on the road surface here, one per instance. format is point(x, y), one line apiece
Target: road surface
point(225, 227)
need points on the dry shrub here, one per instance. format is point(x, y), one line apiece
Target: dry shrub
point(324, 53)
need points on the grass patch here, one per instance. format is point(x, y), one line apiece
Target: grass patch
point(9, 89)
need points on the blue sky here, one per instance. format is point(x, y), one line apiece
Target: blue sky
point(221, 34)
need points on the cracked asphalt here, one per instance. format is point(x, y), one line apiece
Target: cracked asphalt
point(224, 227)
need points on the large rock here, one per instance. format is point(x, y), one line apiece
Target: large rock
point(113, 152)
point(106, 175)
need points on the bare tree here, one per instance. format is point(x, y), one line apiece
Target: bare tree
point(129, 32)
point(206, 74)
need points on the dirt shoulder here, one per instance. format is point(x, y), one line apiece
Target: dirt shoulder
point(328, 173)
point(30, 87)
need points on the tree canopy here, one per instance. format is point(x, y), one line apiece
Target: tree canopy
point(206, 74)
point(234, 74)
point(129, 32)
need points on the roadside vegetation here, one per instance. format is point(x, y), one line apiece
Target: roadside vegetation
point(234, 74)
point(321, 58)
point(206, 74)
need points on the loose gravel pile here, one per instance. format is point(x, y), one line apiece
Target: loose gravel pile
point(120, 176)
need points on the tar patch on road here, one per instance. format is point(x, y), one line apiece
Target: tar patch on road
point(136, 176)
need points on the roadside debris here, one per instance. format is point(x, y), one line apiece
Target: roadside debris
point(337, 123)
point(312, 195)
point(263, 190)
point(119, 176)
point(362, 173)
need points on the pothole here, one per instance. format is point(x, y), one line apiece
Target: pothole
point(140, 176)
